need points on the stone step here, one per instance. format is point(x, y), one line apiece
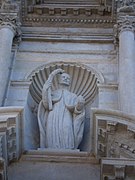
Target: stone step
point(59, 156)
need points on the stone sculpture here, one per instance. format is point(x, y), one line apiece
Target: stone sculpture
point(60, 114)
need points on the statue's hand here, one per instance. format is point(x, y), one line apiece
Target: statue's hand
point(48, 83)
point(80, 103)
point(57, 71)
point(54, 73)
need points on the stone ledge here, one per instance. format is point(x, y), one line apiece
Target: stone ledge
point(59, 156)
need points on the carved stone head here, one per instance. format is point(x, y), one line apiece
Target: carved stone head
point(64, 79)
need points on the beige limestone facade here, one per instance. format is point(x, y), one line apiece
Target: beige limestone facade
point(91, 40)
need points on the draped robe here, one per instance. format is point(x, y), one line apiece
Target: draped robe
point(62, 127)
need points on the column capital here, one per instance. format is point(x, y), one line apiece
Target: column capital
point(11, 21)
point(9, 17)
point(126, 23)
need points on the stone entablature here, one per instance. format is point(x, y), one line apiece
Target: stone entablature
point(88, 13)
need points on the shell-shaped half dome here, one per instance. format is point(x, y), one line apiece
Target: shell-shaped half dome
point(83, 80)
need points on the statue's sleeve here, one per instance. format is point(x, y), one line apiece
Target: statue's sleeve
point(45, 96)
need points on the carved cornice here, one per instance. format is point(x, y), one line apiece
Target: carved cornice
point(65, 13)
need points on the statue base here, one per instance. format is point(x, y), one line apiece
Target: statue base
point(53, 155)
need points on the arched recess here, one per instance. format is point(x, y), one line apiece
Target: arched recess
point(84, 80)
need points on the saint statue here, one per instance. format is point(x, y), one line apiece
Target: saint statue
point(60, 114)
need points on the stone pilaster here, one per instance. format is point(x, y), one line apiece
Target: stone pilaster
point(126, 63)
point(9, 29)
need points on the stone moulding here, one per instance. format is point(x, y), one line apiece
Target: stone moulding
point(84, 80)
point(112, 131)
